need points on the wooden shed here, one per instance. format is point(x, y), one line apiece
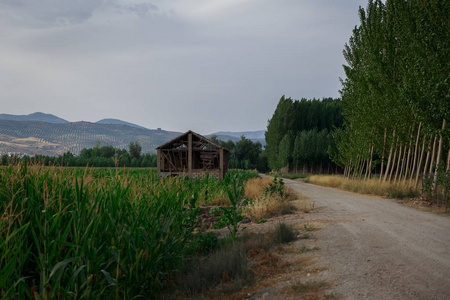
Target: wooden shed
point(192, 155)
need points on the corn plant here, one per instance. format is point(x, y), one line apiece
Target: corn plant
point(80, 233)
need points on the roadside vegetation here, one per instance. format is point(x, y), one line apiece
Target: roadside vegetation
point(123, 233)
point(244, 154)
point(93, 233)
point(268, 197)
point(300, 133)
point(400, 190)
point(395, 97)
point(392, 119)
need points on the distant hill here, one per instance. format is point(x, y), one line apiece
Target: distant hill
point(255, 136)
point(33, 137)
point(37, 116)
point(259, 134)
point(118, 122)
point(46, 134)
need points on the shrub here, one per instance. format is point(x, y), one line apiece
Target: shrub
point(228, 262)
point(283, 234)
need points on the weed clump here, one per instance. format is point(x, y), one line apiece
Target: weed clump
point(398, 190)
point(226, 263)
point(268, 198)
point(283, 234)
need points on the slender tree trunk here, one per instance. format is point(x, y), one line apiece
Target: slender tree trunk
point(403, 164)
point(393, 164)
point(425, 168)
point(408, 157)
point(432, 156)
point(390, 157)
point(369, 165)
point(415, 153)
point(398, 163)
point(382, 155)
point(419, 165)
point(438, 159)
point(361, 168)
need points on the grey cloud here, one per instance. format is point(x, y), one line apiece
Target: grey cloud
point(50, 13)
point(212, 69)
point(142, 9)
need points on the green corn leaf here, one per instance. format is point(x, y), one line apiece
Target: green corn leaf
point(61, 266)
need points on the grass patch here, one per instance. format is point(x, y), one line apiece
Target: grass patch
point(223, 265)
point(293, 176)
point(310, 287)
point(306, 249)
point(283, 234)
point(267, 198)
point(399, 190)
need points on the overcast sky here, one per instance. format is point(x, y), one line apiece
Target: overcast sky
point(204, 65)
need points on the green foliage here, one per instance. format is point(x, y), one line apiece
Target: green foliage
point(283, 234)
point(229, 261)
point(276, 187)
point(299, 133)
point(245, 154)
point(95, 233)
point(135, 150)
point(396, 81)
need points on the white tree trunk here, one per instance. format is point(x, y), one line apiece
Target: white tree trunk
point(393, 165)
point(398, 163)
point(438, 159)
point(382, 155)
point(432, 156)
point(415, 153)
point(419, 165)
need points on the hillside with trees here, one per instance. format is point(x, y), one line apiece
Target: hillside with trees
point(98, 156)
point(300, 134)
point(37, 137)
point(244, 154)
point(395, 98)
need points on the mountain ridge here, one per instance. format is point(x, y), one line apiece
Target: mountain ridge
point(51, 135)
point(37, 116)
point(118, 122)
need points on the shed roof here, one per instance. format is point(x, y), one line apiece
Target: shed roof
point(179, 141)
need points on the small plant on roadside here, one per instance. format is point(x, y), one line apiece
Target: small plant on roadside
point(306, 249)
point(309, 227)
point(233, 214)
point(226, 263)
point(276, 187)
point(260, 221)
point(283, 233)
point(310, 287)
point(215, 211)
point(205, 243)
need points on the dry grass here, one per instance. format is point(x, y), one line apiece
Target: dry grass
point(400, 190)
point(268, 205)
point(254, 188)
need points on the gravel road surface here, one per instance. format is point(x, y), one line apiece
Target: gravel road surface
point(376, 248)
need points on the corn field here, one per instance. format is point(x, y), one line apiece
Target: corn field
point(74, 233)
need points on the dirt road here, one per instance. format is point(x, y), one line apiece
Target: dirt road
point(375, 248)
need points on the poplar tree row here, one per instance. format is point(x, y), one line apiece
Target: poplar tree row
point(395, 98)
point(299, 134)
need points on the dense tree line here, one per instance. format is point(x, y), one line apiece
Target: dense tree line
point(299, 134)
point(395, 97)
point(105, 156)
point(244, 154)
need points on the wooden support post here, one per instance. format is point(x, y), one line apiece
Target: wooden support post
point(221, 165)
point(158, 161)
point(190, 155)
